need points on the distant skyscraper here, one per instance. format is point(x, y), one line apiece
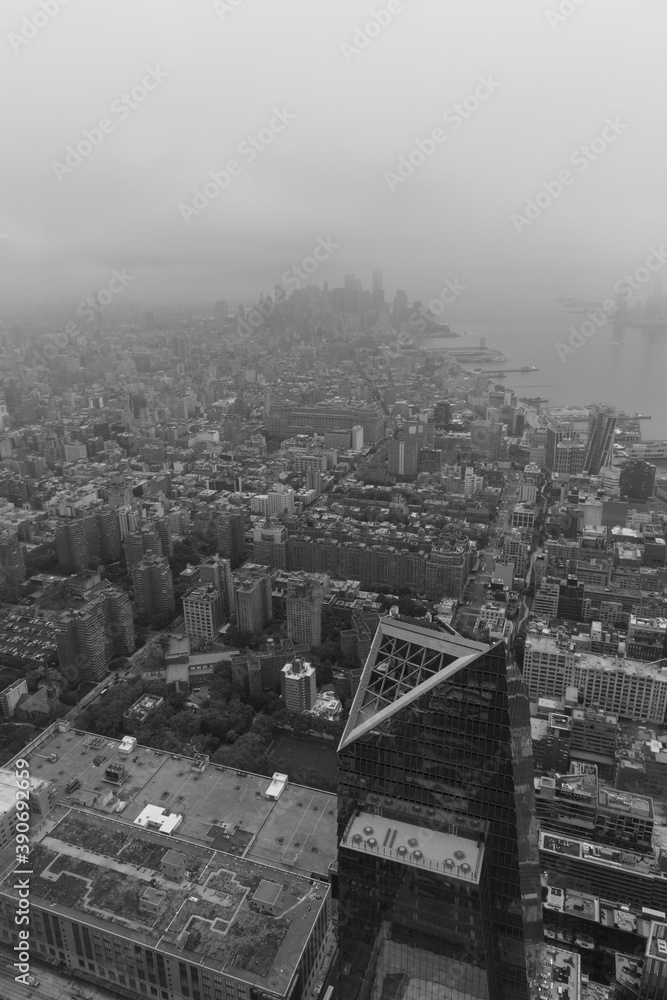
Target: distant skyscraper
point(400, 306)
point(600, 443)
point(377, 290)
point(439, 885)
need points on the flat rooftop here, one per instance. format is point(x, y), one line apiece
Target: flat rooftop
point(614, 857)
point(558, 970)
point(416, 846)
point(626, 802)
point(93, 866)
point(222, 808)
point(636, 668)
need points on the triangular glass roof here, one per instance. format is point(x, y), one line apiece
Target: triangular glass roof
point(405, 661)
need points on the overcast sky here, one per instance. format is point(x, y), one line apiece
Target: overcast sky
point(221, 70)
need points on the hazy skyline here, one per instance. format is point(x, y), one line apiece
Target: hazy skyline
point(333, 120)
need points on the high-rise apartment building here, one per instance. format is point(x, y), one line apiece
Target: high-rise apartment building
point(516, 550)
point(119, 491)
point(202, 613)
point(110, 540)
point(298, 686)
point(12, 564)
point(304, 608)
point(129, 519)
point(403, 457)
point(153, 587)
point(270, 545)
point(252, 595)
point(563, 450)
point(230, 534)
point(11, 695)
point(217, 572)
point(85, 641)
point(163, 527)
point(72, 545)
point(439, 885)
point(120, 621)
point(144, 539)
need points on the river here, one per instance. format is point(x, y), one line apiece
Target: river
point(623, 367)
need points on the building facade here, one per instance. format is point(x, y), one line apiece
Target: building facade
point(437, 866)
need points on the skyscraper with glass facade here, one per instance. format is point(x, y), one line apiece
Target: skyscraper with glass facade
point(438, 875)
point(600, 443)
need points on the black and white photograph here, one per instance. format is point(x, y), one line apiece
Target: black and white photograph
point(333, 500)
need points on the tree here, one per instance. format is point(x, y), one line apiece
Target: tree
point(120, 663)
point(240, 638)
